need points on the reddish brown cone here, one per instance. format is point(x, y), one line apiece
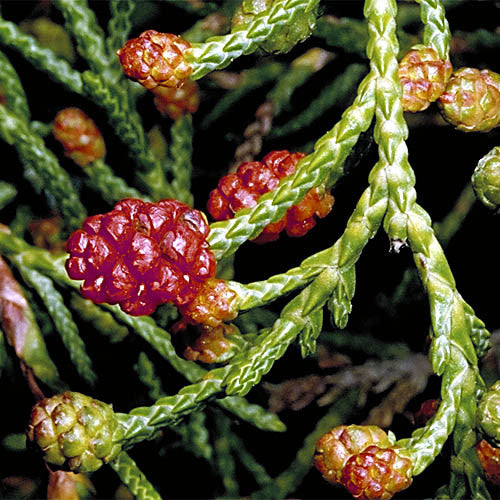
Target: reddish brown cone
point(142, 254)
point(376, 473)
point(214, 303)
point(213, 345)
point(155, 58)
point(176, 102)
point(252, 179)
point(335, 448)
point(80, 137)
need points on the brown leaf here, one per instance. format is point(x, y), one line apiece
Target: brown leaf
point(13, 307)
point(22, 332)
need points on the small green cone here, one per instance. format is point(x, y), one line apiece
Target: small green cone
point(488, 414)
point(471, 101)
point(285, 37)
point(74, 432)
point(486, 179)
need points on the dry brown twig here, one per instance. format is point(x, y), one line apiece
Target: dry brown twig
point(406, 376)
point(253, 134)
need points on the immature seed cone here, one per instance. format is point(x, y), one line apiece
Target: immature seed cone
point(155, 58)
point(471, 101)
point(141, 254)
point(75, 432)
point(176, 102)
point(252, 179)
point(489, 457)
point(376, 473)
point(213, 304)
point(50, 35)
point(423, 76)
point(488, 413)
point(214, 344)
point(337, 446)
point(46, 233)
point(79, 136)
point(284, 38)
point(486, 179)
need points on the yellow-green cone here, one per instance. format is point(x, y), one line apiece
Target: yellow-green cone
point(488, 414)
point(74, 432)
point(471, 101)
point(486, 179)
point(285, 37)
point(423, 76)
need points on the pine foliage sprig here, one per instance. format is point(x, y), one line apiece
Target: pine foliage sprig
point(32, 151)
point(42, 58)
point(63, 322)
point(250, 80)
point(82, 23)
point(390, 130)
point(111, 187)
point(181, 150)
point(22, 331)
point(224, 459)
point(330, 95)
point(7, 193)
point(134, 478)
point(119, 25)
point(127, 125)
point(436, 28)
point(12, 89)
point(102, 320)
point(219, 52)
point(196, 436)
point(338, 259)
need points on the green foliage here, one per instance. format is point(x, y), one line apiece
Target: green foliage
point(312, 307)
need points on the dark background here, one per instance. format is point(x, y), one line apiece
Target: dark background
point(443, 160)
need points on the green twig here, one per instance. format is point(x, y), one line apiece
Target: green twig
point(219, 52)
point(181, 149)
point(12, 89)
point(111, 187)
point(330, 95)
point(82, 23)
point(437, 31)
point(58, 69)
point(32, 151)
point(63, 321)
point(134, 478)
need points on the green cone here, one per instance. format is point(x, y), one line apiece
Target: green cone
point(285, 37)
point(486, 179)
point(75, 432)
point(471, 101)
point(488, 414)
